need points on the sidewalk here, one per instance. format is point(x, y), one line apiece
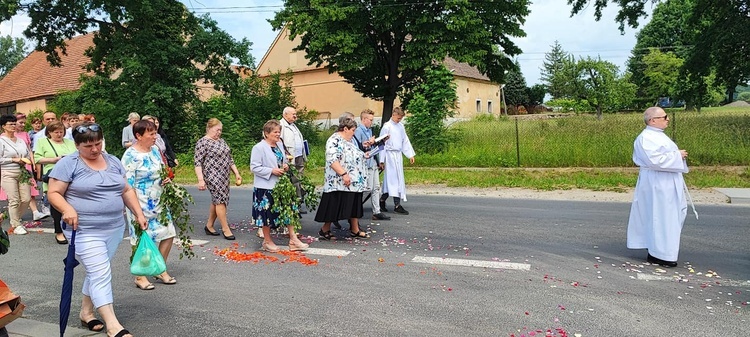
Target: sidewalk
point(24, 327)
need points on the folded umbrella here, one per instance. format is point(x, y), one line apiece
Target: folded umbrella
point(67, 286)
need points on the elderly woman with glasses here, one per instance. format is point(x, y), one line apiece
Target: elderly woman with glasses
point(14, 156)
point(90, 190)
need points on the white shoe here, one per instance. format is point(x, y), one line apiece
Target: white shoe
point(45, 210)
point(20, 230)
point(39, 215)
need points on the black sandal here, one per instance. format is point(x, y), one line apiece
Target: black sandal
point(91, 325)
point(122, 333)
point(326, 235)
point(360, 235)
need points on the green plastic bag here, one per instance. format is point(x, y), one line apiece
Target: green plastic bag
point(147, 260)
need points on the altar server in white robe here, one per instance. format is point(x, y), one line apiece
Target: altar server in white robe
point(398, 143)
point(659, 204)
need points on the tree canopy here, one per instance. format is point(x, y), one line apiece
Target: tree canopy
point(553, 63)
point(12, 51)
point(382, 47)
point(717, 32)
point(147, 56)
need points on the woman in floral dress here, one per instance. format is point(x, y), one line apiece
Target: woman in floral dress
point(143, 168)
point(344, 182)
point(213, 160)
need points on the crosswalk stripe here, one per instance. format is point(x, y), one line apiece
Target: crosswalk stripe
point(471, 263)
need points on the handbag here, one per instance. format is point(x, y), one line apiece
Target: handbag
point(147, 260)
point(45, 176)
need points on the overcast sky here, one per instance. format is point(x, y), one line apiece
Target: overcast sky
point(549, 20)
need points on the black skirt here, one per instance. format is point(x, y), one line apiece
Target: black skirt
point(339, 205)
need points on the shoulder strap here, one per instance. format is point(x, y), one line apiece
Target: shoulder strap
point(53, 147)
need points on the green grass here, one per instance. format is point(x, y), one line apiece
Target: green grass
point(570, 152)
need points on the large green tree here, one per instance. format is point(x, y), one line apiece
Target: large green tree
point(12, 51)
point(381, 47)
point(147, 56)
point(598, 83)
point(553, 63)
point(718, 31)
point(660, 74)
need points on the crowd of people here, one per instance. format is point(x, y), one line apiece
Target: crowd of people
point(88, 189)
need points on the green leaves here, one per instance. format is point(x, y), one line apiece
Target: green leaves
point(12, 51)
point(433, 101)
point(382, 47)
point(286, 202)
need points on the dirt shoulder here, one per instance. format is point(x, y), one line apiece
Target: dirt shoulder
point(701, 196)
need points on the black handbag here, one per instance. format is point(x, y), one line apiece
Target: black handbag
point(45, 177)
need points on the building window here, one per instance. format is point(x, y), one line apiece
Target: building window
point(489, 106)
point(479, 105)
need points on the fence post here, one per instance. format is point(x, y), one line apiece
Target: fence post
point(518, 146)
point(674, 126)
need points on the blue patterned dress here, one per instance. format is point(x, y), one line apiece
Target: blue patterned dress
point(143, 173)
point(263, 200)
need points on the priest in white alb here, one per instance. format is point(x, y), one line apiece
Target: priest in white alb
point(659, 203)
point(397, 144)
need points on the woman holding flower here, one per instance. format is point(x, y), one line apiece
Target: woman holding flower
point(213, 161)
point(15, 180)
point(143, 167)
point(268, 163)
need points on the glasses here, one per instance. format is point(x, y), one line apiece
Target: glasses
point(665, 117)
point(84, 128)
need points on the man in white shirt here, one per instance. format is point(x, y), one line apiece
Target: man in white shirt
point(659, 204)
point(47, 117)
point(128, 138)
point(294, 144)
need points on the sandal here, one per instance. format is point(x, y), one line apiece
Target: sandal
point(326, 235)
point(360, 235)
point(149, 286)
point(170, 280)
point(122, 333)
point(92, 324)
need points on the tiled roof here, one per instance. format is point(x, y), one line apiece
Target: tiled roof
point(34, 78)
point(464, 69)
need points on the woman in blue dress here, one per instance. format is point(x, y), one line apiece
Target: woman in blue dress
point(143, 164)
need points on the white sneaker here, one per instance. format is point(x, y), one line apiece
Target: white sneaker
point(45, 210)
point(20, 230)
point(39, 215)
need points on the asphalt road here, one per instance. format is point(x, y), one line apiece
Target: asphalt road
point(573, 276)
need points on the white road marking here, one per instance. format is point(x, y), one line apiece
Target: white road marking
point(649, 277)
point(472, 263)
point(326, 252)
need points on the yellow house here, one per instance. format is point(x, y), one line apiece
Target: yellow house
point(330, 95)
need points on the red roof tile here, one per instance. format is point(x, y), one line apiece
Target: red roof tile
point(464, 69)
point(34, 78)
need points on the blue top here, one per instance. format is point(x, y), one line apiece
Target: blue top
point(362, 134)
point(95, 195)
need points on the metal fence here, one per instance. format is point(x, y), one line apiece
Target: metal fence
point(718, 138)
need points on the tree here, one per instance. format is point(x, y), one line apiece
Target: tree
point(667, 31)
point(536, 94)
point(598, 83)
point(12, 51)
point(381, 48)
point(515, 87)
point(661, 72)
point(718, 30)
point(147, 57)
point(434, 100)
point(553, 64)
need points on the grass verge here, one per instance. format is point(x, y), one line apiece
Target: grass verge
point(597, 179)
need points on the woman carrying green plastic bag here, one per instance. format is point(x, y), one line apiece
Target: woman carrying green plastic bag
point(147, 260)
